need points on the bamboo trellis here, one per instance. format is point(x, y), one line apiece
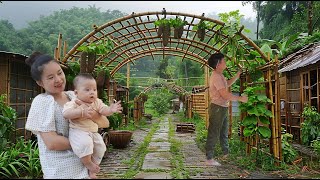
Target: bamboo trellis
point(135, 36)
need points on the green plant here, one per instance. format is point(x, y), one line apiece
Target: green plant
point(288, 152)
point(21, 158)
point(202, 25)
point(310, 127)
point(100, 68)
point(99, 47)
point(72, 70)
point(160, 101)
point(7, 118)
point(177, 22)
point(258, 114)
point(115, 121)
point(256, 123)
point(315, 144)
point(161, 22)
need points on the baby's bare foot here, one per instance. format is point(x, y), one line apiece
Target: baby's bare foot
point(92, 167)
point(92, 175)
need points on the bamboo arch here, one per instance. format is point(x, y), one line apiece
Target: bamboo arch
point(135, 36)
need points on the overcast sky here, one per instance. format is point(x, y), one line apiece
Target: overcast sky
point(20, 12)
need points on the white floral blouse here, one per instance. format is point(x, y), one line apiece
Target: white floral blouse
point(45, 115)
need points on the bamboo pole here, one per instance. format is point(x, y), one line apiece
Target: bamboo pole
point(206, 95)
point(128, 74)
point(64, 48)
point(274, 147)
point(59, 47)
point(230, 117)
point(278, 111)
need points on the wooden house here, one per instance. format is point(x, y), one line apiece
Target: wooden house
point(20, 88)
point(299, 86)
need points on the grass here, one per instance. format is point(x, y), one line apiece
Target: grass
point(238, 156)
point(136, 161)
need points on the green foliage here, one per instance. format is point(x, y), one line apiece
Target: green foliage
point(99, 68)
point(288, 152)
point(72, 71)
point(280, 47)
point(163, 21)
point(202, 25)
point(160, 100)
point(19, 159)
point(99, 47)
point(42, 34)
point(310, 127)
point(115, 121)
point(315, 144)
point(177, 22)
point(8, 117)
point(258, 115)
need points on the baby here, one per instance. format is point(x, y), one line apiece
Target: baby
point(84, 138)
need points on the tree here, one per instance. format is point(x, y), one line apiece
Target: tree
point(277, 17)
point(256, 7)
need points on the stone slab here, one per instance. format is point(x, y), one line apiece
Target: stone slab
point(153, 175)
point(156, 164)
point(158, 156)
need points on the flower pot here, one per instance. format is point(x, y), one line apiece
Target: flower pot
point(119, 138)
point(165, 35)
point(160, 30)
point(178, 31)
point(201, 33)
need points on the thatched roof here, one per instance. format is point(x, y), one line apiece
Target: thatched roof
point(13, 55)
point(307, 55)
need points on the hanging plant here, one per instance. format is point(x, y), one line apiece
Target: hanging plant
point(102, 78)
point(201, 29)
point(90, 51)
point(100, 47)
point(163, 30)
point(177, 24)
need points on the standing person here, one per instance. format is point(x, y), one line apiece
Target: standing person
point(45, 120)
point(84, 138)
point(218, 108)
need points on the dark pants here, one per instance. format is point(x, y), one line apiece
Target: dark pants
point(218, 129)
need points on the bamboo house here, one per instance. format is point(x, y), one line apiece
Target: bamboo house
point(19, 87)
point(299, 86)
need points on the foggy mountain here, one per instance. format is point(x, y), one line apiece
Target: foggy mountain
point(19, 13)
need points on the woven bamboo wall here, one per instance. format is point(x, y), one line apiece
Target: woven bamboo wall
point(199, 105)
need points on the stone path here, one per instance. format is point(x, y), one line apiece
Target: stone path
point(157, 162)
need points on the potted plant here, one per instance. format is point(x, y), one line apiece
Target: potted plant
point(90, 51)
point(117, 138)
point(177, 24)
point(201, 29)
point(102, 78)
point(163, 30)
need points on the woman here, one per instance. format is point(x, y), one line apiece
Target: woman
point(45, 119)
